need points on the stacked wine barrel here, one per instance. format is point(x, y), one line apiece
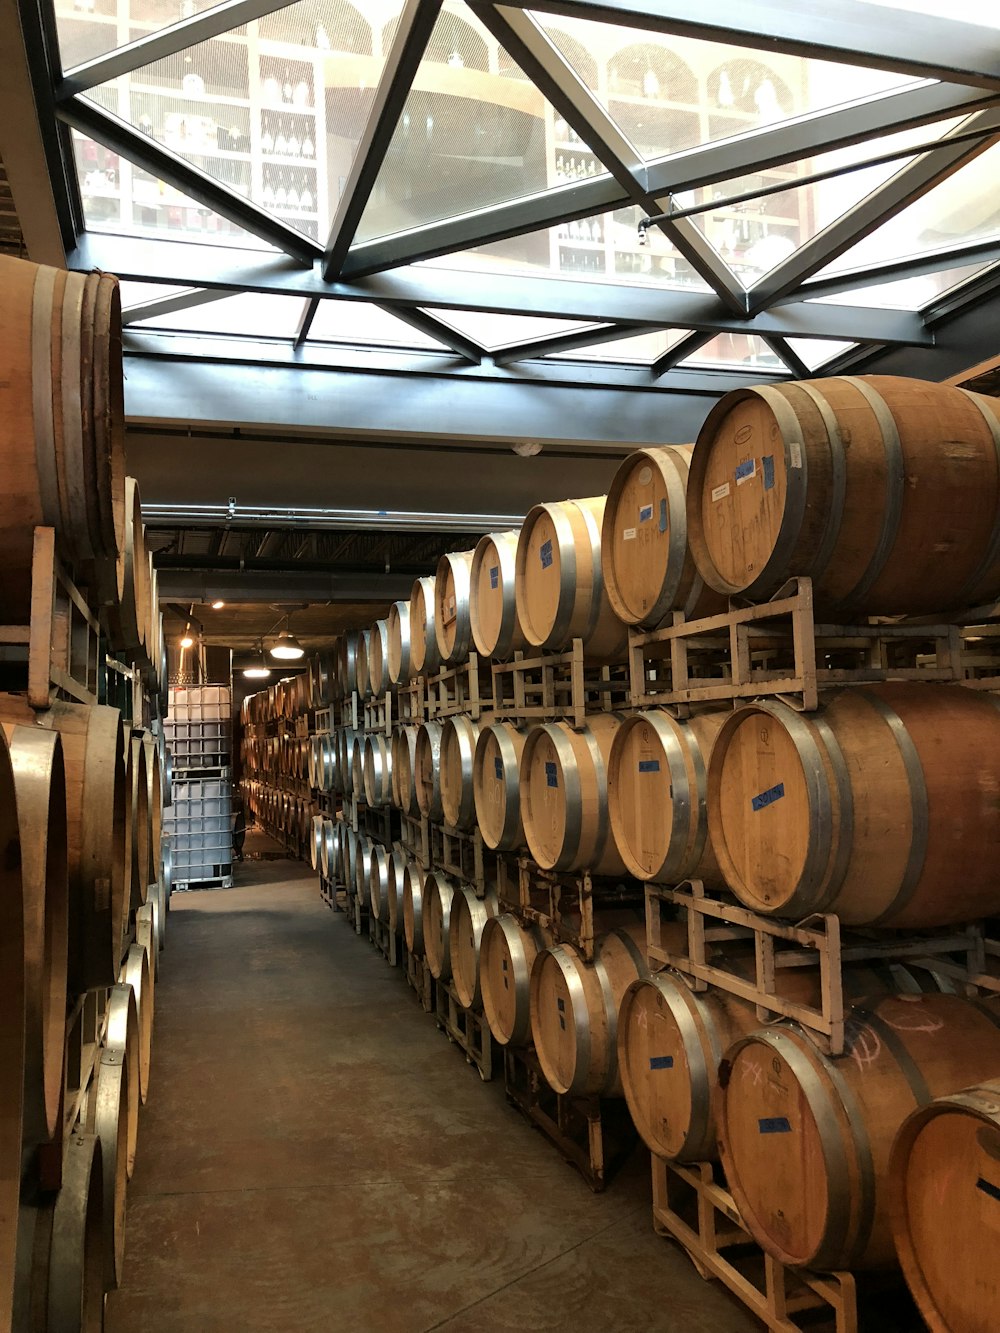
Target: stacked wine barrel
point(285, 764)
point(85, 875)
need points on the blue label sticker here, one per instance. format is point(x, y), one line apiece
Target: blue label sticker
point(551, 779)
point(988, 1187)
point(498, 767)
point(649, 765)
point(494, 576)
point(767, 464)
point(545, 554)
point(561, 1006)
point(768, 797)
point(645, 513)
point(775, 1124)
point(661, 1062)
point(663, 515)
point(746, 470)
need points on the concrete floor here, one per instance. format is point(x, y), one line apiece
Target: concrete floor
point(316, 1157)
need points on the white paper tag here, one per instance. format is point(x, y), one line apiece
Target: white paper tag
point(628, 535)
point(795, 453)
point(721, 492)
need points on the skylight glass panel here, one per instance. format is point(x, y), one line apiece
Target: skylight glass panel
point(737, 350)
point(905, 293)
point(982, 13)
point(493, 331)
point(816, 352)
point(359, 322)
point(639, 348)
point(256, 315)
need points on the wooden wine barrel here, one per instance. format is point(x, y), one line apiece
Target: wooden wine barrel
point(398, 654)
point(574, 1011)
point(356, 785)
point(378, 658)
point(378, 770)
point(316, 842)
point(40, 788)
point(559, 588)
point(107, 1116)
point(344, 742)
point(154, 801)
point(361, 663)
point(138, 794)
point(496, 778)
point(649, 571)
point(496, 629)
point(12, 1028)
point(507, 953)
point(564, 796)
point(459, 737)
point(880, 807)
point(657, 793)
point(378, 884)
point(98, 836)
point(815, 1193)
point(363, 855)
point(328, 848)
point(671, 1040)
point(347, 663)
point(427, 774)
point(60, 334)
point(944, 1183)
point(452, 626)
point(129, 619)
point(147, 930)
point(122, 1036)
point(424, 656)
point(61, 1264)
point(136, 973)
point(413, 898)
point(469, 915)
point(843, 480)
point(435, 912)
point(404, 767)
point(394, 892)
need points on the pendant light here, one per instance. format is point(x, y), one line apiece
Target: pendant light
point(287, 648)
point(258, 669)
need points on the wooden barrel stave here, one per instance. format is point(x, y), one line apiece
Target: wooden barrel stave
point(452, 626)
point(496, 774)
point(469, 915)
point(426, 775)
point(424, 656)
point(437, 895)
point(398, 643)
point(493, 619)
point(413, 897)
point(508, 950)
point(459, 738)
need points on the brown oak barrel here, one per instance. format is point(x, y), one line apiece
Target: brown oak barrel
point(147, 930)
point(345, 750)
point(469, 915)
point(424, 656)
point(347, 663)
point(564, 796)
point(130, 618)
point(107, 1115)
point(12, 1028)
point(649, 571)
point(364, 852)
point(881, 807)
point(378, 884)
point(496, 779)
point(60, 335)
point(559, 587)
point(404, 766)
point(426, 775)
point(574, 1011)
point(413, 922)
point(507, 953)
point(885, 491)
point(356, 785)
point(944, 1182)
point(98, 833)
point(377, 770)
point(122, 1035)
point(394, 892)
point(435, 912)
point(316, 842)
point(361, 664)
point(40, 787)
point(137, 974)
point(378, 658)
point(398, 651)
point(459, 737)
point(657, 795)
point(154, 794)
point(138, 791)
point(493, 618)
point(452, 626)
point(805, 1140)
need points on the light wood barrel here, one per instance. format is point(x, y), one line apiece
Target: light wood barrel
point(459, 737)
point(404, 767)
point(361, 664)
point(107, 1116)
point(413, 898)
point(12, 1028)
point(671, 1040)
point(427, 774)
point(507, 953)
point(147, 930)
point(378, 658)
point(885, 491)
point(347, 663)
point(98, 834)
point(880, 807)
point(944, 1181)
point(138, 792)
point(345, 751)
point(574, 1011)
point(61, 1263)
point(60, 334)
point(424, 656)
point(40, 784)
point(398, 655)
point(364, 852)
point(123, 1036)
point(496, 780)
point(564, 796)
point(129, 619)
point(649, 571)
point(452, 626)
point(469, 915)
point(316, 842)
point(394, 892)
point(356, 785)
point(328, 848)
point(137, 974)
point(378, 770)
point(436, 900)
point(657, 795)
point(805, 1140)
point(559, 587)
point(496, 629)
point(378, 883)
point(154, 801)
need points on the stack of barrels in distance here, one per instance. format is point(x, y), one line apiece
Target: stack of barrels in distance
point(880, 809)
point(280, 778)
point(85, 876)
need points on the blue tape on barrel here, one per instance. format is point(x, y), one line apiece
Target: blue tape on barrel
point(768, 797)
point(746, 469)
point(649, 765)
point(498, 767)
point(775, 1124)
point(645, 513)
point(663, 515)
point(545, 554)
point(495, 576)
point(551, 776)
point(767, 464)
point(661, 1062)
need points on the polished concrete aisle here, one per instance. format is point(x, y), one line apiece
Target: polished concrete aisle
point(315, 1157)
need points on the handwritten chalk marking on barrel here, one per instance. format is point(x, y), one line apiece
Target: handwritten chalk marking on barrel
point(768, 797)
point(649, 765)
point(774, 1124)
point(661, 1062)
point(551, 780)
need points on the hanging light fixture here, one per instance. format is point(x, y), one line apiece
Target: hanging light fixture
point(258, 668)
point(287, 648)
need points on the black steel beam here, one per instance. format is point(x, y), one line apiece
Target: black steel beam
point(169, 305)
point(444, 333)
point(286, 585)
point(908, 185)
point(909, 266)
point(306, 321)
point(165, 42)
point(167, 166)
point(849, 32)
point(566, 342)
point(792, 360)
point(686, 237)
point(416, 23)
point(679, 352)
